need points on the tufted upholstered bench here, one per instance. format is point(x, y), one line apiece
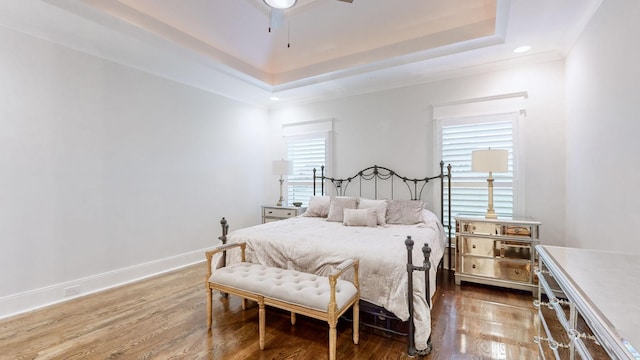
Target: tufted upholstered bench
point(321, 297)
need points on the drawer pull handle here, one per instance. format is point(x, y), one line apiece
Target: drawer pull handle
point(473, 266)
point(473, 246)
point(517, 230)
point(288, 213)
point(270, 212)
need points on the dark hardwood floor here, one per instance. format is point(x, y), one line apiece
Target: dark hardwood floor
point(165, 318)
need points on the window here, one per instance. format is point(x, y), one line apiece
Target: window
point(485, 123)
point(469, 192)
point(307, 153)
point(309, 147)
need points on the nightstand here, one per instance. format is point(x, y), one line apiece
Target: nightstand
point(275, 213)
point(499, 252)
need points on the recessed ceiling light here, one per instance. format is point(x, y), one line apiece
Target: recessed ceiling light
point(274, 98)
point(280, 4)
point(522, 49)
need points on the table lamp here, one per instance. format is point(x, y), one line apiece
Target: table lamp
point(490, 161)
point(282, 167)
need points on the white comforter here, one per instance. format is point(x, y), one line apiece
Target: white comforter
point(315, 245)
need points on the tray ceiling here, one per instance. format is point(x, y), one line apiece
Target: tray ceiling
point(322, 47)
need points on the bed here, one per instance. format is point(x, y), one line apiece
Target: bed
point(334, 228)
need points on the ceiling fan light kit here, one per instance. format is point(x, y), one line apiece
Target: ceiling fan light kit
point(280, 4)
point(278, 8)
point(287, 4)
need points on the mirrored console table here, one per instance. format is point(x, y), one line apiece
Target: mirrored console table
point(588, 304)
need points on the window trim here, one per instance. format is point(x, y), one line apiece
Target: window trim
point(466, 110)
point(310, 129)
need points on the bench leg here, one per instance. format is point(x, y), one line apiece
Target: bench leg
point(356, 322)
point(333, 339)
point(261, 321)
point(293, 318)
point(209, 307)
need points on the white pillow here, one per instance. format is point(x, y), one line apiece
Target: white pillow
point(318, 206)
point(360, 217)
point(337, 206)
point(379, 205)
point(407, 212)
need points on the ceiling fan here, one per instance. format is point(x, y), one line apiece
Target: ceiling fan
point(277, 11)
point(286, 4)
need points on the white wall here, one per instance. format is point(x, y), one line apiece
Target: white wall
point(109, 174)
point(603, 123)
point(395, 129)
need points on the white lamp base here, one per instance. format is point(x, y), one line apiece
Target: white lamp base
point(491, 214)
point(279, 203)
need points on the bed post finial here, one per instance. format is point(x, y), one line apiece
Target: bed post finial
point(223, 238)
point(426, 251)
point(409, 242)
point(225, 230)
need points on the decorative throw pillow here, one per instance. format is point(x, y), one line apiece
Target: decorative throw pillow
point(337, 206)
point(407, 212)
point(318, 206)
point(379, 205)
point(360, 217)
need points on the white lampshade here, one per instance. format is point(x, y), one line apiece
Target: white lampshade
point(280, 4)
point(282, 167)
point(490, 160)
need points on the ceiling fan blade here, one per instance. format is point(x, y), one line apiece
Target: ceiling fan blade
point(349, 1)
point(277, 18)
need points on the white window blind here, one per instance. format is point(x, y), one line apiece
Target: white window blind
point(306, 152)
point(459, 137)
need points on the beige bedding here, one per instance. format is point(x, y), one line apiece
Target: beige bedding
point(315, 245)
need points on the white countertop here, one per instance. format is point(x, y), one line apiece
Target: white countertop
point(609, 282)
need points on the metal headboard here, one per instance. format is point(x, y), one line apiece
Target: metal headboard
point(374, 173)
point(379, 173)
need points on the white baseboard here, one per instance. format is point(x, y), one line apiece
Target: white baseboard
point(33, 299)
